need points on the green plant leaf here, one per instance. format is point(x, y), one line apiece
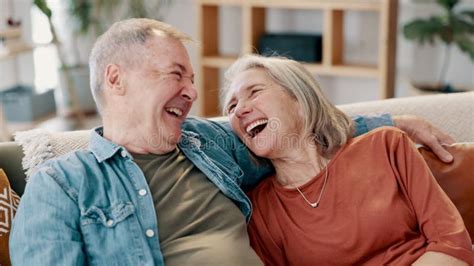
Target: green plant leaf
point(448, 4)
point(423, 30)
point(468, 14)
point(81, 11)
point(43, 6)
point(137, 9)
point(461, 26)
point(108, 4)
point(466, 45)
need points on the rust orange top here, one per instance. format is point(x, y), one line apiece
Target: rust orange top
point(381, 206)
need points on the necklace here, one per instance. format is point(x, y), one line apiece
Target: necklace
point(315, 204)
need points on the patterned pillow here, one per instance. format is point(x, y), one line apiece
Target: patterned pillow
point(9, 201)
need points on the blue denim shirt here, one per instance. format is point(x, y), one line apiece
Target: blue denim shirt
point(94, 206)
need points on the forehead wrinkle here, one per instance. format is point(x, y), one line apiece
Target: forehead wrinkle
point(244, 90)
point(248, 88)
point(162, 47)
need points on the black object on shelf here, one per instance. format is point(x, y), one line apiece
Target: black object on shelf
point(297, 46)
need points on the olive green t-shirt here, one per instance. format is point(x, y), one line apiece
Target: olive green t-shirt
point(197, 224)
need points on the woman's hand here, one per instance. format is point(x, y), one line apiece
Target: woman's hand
point(423, 132)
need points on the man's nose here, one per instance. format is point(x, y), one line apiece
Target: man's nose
point(189, 91)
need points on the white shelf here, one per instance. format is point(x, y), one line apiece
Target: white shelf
point(10, 33)
point(12, 51)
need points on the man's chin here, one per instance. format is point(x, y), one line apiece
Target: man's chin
point(173, 138)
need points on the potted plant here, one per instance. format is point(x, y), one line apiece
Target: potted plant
point(90, 18)
point(452, 27)
point(98, 15)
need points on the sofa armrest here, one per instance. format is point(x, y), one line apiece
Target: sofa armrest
point(11, 156)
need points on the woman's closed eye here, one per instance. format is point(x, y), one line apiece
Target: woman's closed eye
point(255, 91)
point(231, 108)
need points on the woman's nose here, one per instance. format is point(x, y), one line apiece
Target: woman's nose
point(242, 109)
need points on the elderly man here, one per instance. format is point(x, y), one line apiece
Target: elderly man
point(153, 187)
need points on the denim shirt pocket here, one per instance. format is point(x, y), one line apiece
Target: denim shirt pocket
point(112, 235)
point(108, 217)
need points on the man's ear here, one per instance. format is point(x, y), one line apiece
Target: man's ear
point(114, 79)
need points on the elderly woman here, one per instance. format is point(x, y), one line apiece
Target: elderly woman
point(334, 199)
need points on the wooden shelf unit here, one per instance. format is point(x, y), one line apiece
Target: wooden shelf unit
point(14, 51)
point(253, 26)
point(11, 44)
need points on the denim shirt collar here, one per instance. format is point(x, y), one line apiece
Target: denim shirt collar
point(104, 149)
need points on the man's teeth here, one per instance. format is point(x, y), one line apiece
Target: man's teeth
point(255, 124)
point(175, 111)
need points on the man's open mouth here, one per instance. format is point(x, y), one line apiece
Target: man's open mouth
point(174, 111)
point(256, 127)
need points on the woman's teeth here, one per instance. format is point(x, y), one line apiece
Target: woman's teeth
point(256, 127)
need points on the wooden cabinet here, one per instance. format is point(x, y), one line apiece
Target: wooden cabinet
point(333, 63)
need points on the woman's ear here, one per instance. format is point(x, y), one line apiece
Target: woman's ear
point(114, 79)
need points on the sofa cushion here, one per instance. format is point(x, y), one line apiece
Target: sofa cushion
point(9, 201)
point(450, 112)
point(456, 179)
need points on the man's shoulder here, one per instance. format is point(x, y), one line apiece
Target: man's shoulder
point(75, 157)
point(67, 170)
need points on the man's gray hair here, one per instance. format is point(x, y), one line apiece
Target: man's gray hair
point(329, 126)
point(123, 43)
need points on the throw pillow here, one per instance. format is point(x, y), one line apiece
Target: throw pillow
point(456, 179)
point(9, 201)
point(40, 145)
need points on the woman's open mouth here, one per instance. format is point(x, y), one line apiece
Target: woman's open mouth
point(256, 127)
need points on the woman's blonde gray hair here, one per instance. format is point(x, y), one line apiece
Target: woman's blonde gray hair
point(124, 42)
point(329, 126)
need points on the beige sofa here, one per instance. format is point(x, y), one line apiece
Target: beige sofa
point(454, 113)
